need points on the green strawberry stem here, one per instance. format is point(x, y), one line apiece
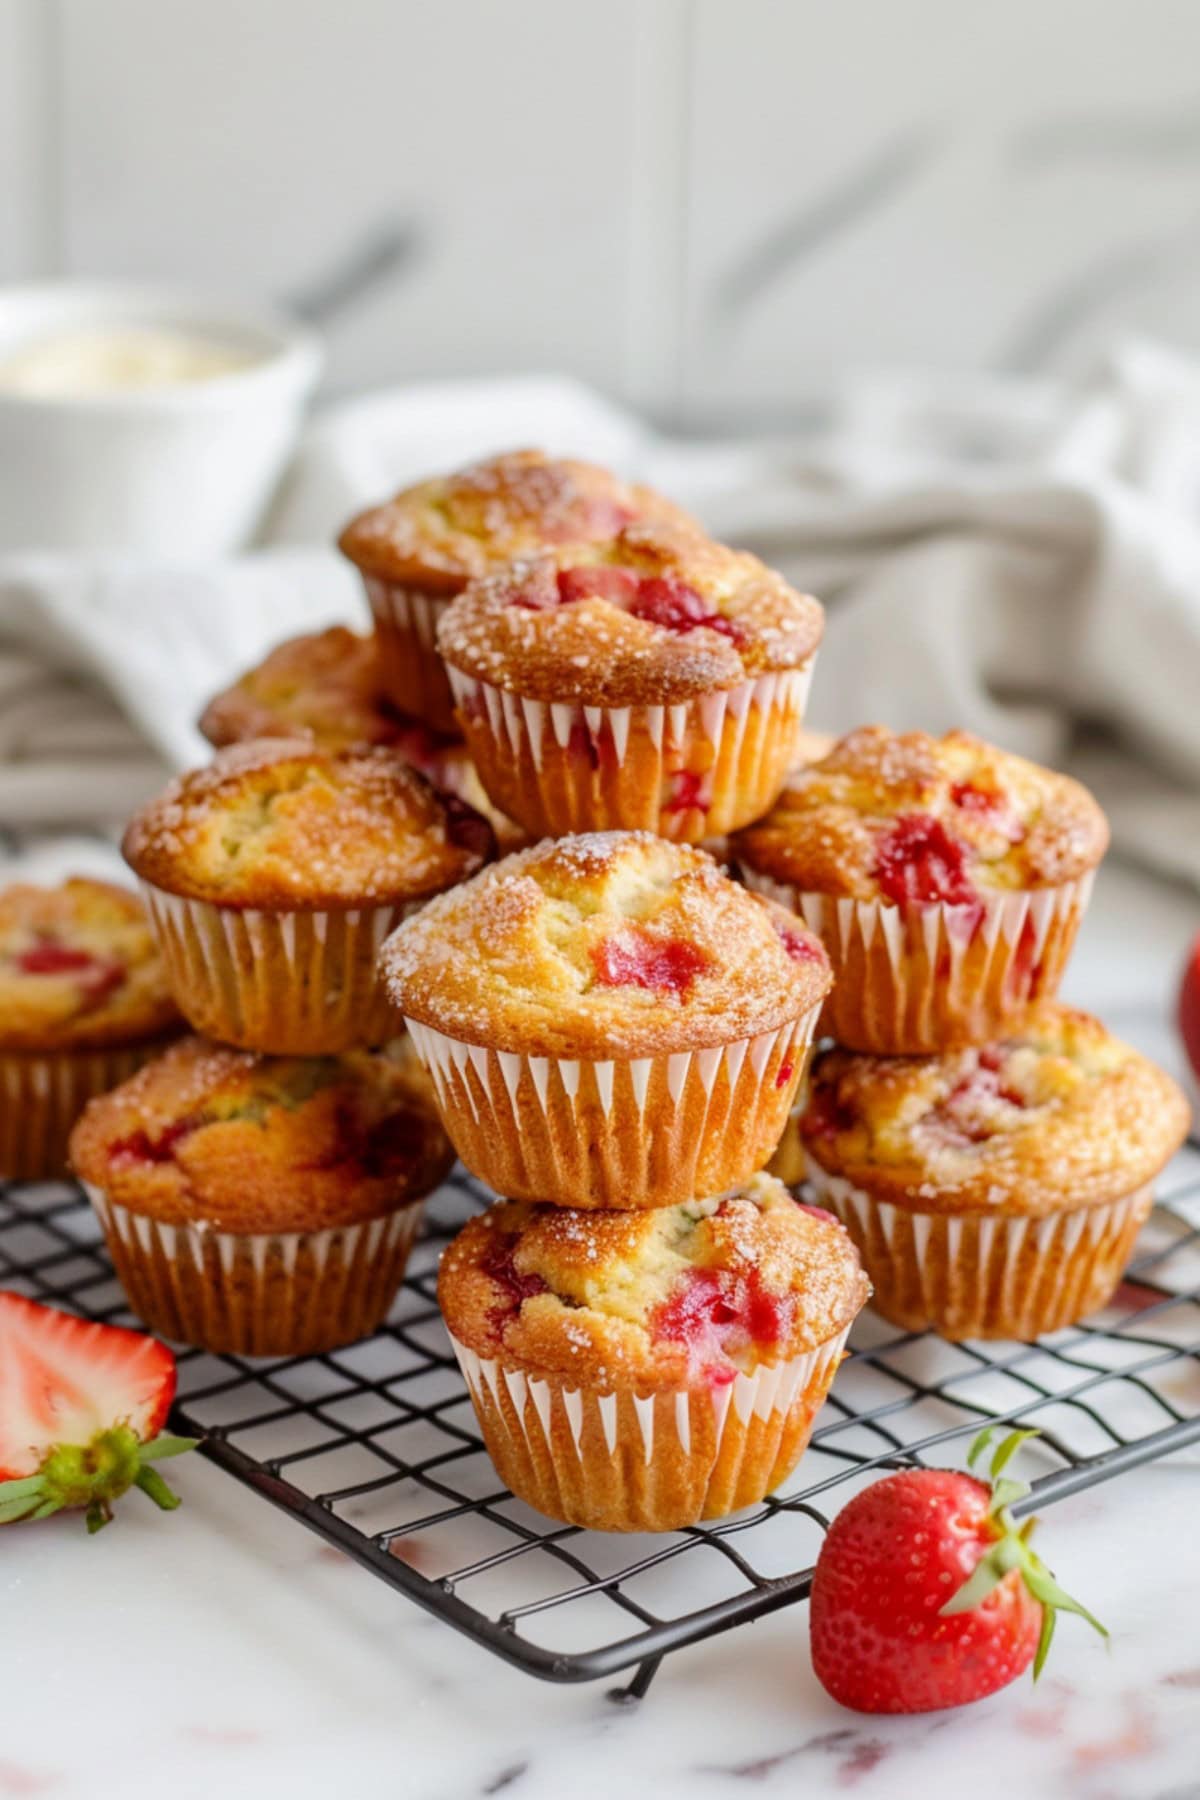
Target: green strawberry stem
point(91, 1476)
point(1011, 1550)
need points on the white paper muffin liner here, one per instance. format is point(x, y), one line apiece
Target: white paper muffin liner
point(42, 1093)
point(286, 983)
point(918, 979)
point(281, 1293)
point(738, 742)
point(406, 621)
point(645, 1131)
point(985, 1274)
point(626, 1462)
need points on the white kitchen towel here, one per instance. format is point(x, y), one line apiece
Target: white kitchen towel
point(1021, 559)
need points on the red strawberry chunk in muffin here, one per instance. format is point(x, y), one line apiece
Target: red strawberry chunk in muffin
point(827, 1115)
point(636, 958)
point(717, 1313)
point(95, 976)
point(688, 790)
point(139, 1146)
point(667, 601)
point(499, 1262)
point(973, 1108)
point(800, 946)
point(599, 583)
point(918, 862)
point(662, 600)
point(991, 805)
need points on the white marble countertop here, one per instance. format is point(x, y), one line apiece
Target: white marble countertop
point(225, 1650)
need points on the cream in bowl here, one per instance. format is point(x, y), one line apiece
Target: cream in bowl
point(139, 420)
point(114, 358)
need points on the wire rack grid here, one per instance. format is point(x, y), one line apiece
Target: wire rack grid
point(376, 1448)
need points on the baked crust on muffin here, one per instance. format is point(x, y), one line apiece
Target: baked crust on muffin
point(282, 823)
point(910, 818)
point(649, 616)
point(253, 1144)
point(328, 687)
point(325, 685)
point(1058, 1115)
point(681, 1296)
point(444, 532)
point(78, 969)
point(606, 944)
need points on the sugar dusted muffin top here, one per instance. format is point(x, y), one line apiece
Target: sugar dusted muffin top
point(681, 1296)
point(650, 616)
point(1059, 1115)
point(252, 1143)
point(442, 533)
point(326, 688)
point(908, 817)
point(325, 685)
point(602, 945)
point(282, 823)
point(78, 968)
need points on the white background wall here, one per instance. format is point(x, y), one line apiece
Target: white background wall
point(711, 207)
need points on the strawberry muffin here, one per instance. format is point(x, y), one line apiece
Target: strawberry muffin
point(947, 880)
point(83, 1002)
point(328, 686)
point(416, 552)
point(609, 1021)
point(262, 1205)
point(273, 875)
point(996, 1191)
point(653, 680)
point(642, 1371)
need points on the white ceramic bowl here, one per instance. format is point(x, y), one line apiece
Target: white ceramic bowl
point(183, 470)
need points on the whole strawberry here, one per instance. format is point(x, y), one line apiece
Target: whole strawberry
point(926, 1594)
point(81, 1406)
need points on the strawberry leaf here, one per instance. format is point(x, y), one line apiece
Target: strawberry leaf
point(1008, 1449)
point(153, 1485)
point(979, 1444)
point(165, 1444)
point(1012, 1552)
point(92, 1476)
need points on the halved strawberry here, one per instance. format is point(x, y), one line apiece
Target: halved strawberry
point(81, 1411)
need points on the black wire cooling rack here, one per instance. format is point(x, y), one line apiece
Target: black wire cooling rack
point(375, 1447)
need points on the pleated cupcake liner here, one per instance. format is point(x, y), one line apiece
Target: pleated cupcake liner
point(688, 771)
point(916, 980)
point(619, 1461)
point(42, 1093)
point(406, 621)
point(642, 1132)
point(258, 1293)
point(986, 1275)
point(285, 983)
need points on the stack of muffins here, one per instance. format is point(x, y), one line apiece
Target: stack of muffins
point(614, 1031)
point(260, 1184)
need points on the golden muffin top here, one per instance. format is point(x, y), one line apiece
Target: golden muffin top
point(78, 968)
point(251, 1143)
point(282, 823)
point(681, 1296)
point(607, 944)
point(324, 685)
point(651, 616)
point(909, 818)
point(442, 533)
point(1058, 1115)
